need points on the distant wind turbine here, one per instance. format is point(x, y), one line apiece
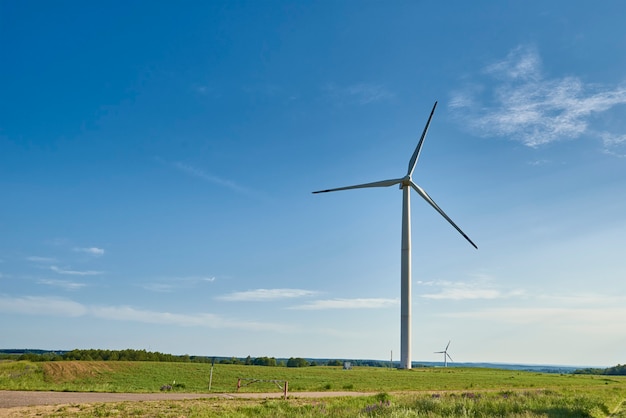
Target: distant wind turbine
point(446, 356)
point(406, 183)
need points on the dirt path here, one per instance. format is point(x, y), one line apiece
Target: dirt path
point(12, 399)
point(619, 411)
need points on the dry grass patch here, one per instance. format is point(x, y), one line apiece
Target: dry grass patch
point(59, 372)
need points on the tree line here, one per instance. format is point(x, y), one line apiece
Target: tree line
point(143, 355)
point(104, 355)
point(619, 370)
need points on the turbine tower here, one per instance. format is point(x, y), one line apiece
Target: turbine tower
point(406, 183)
point(446, 356)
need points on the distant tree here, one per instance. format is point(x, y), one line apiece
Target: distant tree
point(232, 360)
point(335, 363)
point(29, 357)
point(616, 370)
point(264, 361)
point(619, 370)
point(589, 371)
point(297, 362)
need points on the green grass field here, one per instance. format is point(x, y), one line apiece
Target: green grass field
point(427, 392)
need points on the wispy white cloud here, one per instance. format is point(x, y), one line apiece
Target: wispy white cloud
point(159, 287)
point(127, 313)
point(210, 178)
point(478, 289)
point(362, 303)
point(58, 242)
point(463, 293)
point(588, 313)
point(362, 93)
point(598, 319)
point(75, 272)
point(90, 250)
point(264, 295)
point(52, 306)
point(526, 106)
point(582, 299)
point(539, 162)
point(38, 305)
point(522, 63)
point(37, 259)
point(64, 284)
point(614, 144)
point(173, 283)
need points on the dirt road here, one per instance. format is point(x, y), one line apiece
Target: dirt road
point(12, 399)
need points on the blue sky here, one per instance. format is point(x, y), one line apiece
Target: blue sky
point(157, 162)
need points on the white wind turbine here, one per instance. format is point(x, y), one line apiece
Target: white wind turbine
point(446, 356)
point(406, 183)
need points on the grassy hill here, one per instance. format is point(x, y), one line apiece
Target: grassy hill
point(144, 376)
point(432, 392)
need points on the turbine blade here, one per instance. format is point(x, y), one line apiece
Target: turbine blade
point(416, 153)
point(449, 357)
point(448, 344)
point(432, 203)
point(383, 183)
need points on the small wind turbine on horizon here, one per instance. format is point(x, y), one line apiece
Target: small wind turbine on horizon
point(446, 356)
point(406, 184)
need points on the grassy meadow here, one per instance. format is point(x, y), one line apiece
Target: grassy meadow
point(427, 392)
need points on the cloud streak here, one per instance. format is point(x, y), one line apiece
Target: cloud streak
point(95, 251)
point(526, 106)
point(361, 94)
point(209, 178)
point(75, 272)
point(38, 305)
point(64, 284)
point(362, 303)
point(465, 291)
point(174, 283)
point(588, 313)
point(266, 295)
point(600, 319)
point(52, 306)
point(37, 259)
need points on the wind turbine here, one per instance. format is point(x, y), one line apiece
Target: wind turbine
point(406, 184)
point(446, 356)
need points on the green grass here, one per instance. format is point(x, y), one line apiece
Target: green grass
point(427, 392)
point(194, 377)
point(20, 375)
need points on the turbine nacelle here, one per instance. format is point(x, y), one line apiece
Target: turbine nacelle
point(405, 181)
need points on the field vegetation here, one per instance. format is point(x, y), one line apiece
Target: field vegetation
point(144, 376)
point(525, 404)
point(420, 392)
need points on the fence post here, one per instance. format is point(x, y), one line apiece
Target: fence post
point(211, 375)
point(286, 386)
